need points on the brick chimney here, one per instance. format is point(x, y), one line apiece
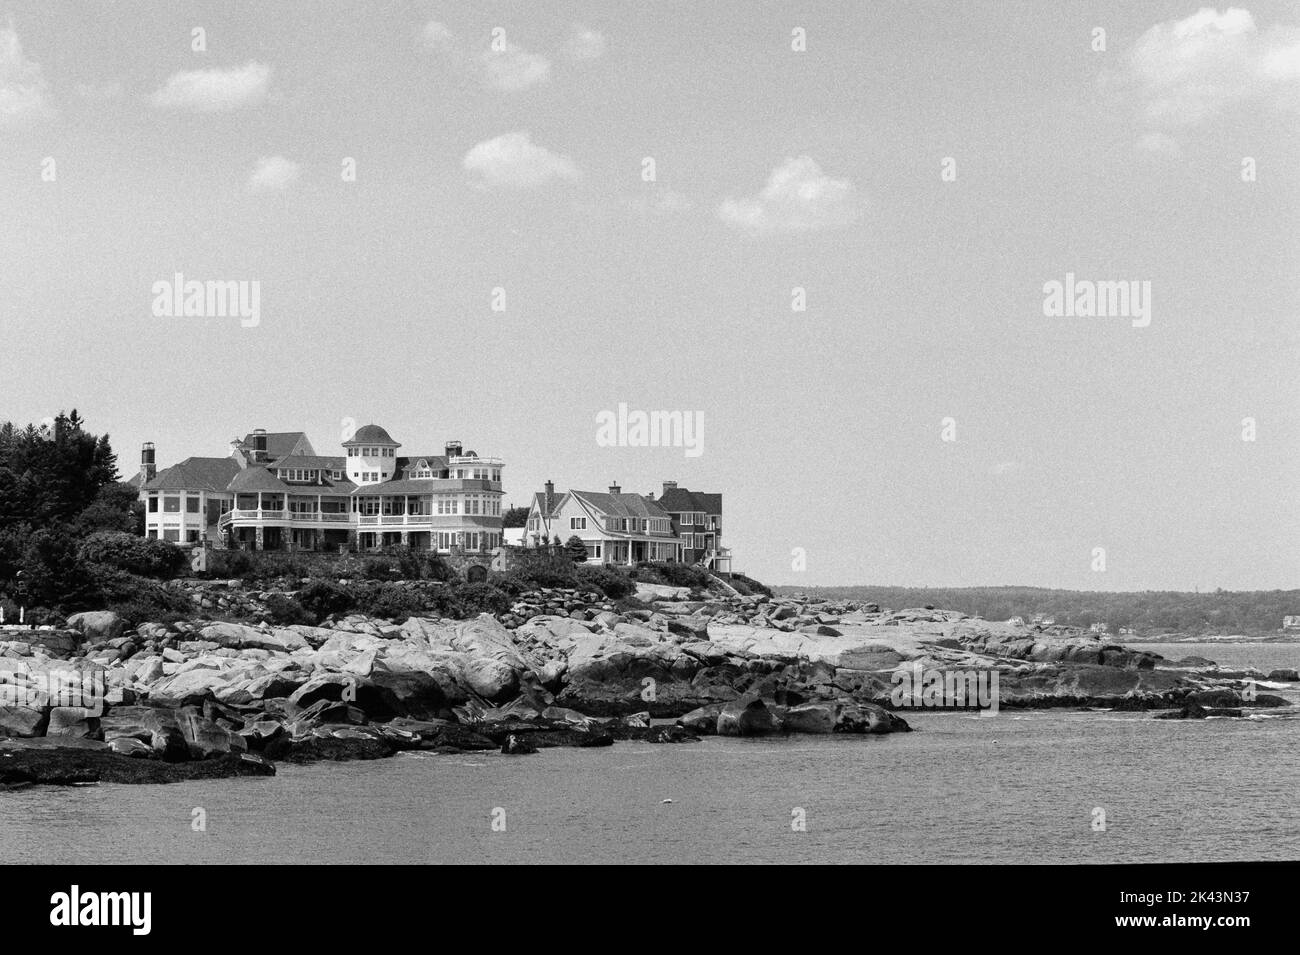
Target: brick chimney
point(148, 466)
point(670, 486)
point(550, 496)
point(615, 489)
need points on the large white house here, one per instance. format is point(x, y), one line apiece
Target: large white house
point(273, 492)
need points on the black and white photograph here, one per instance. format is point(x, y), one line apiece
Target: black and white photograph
point(678, 433)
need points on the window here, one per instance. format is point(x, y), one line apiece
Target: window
point(577, 523)
point(192, 504)
point(192, 536)
point(172, 534)
point(172, 505)
point(153, 503)
point(595, 550)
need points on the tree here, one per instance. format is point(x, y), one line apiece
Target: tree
point(576, 549)
point(515, 517)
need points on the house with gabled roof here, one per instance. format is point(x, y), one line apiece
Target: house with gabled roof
point(275, 492)
point(614, 526)
point(697, 520)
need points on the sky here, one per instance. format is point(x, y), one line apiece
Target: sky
point(455, 233)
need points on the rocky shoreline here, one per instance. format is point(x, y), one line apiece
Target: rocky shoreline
point(207, 698)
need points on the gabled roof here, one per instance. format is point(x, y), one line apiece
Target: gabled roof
point(280, 444)
point(195, 474)
point(539, 501)
point(621, 505)
point(437, 462)
point(371, 434)
point(679, 500)
point(253, 479)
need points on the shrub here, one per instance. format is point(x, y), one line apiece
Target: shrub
point(377, 568)
point(612, 583)
point(390, 601)
point(136, 555)
point(285, 611)
point(575, 549)
point(462, 601)
point(320, 598)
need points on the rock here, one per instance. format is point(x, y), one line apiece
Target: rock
point(127, 746)
point(73, 721)
point(809, 718)
point(190, 686)
point(702, 720)
point(1284, 676)
point(64, 765)
point(747, 717)
point(205, 738)
point(20, 721)
point(97, 626)
point(240, 637)
point(516, 745)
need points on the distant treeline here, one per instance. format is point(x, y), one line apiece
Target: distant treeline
point(1150, 611)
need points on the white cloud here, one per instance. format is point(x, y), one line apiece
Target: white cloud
point(798, 197)
point(513, 68)
point(273, 174)
point(1190, 70)
point(507, 67)
point(515, 162)
point(214, 90)
point(24, 94)
point(585, 44)
point(1159, 144)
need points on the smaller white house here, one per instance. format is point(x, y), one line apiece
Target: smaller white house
point(616, 528)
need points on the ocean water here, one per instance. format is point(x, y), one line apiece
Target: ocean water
point(1016, 787)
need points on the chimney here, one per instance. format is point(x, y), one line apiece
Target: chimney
point(259, 445)
point(550, 496)
point(615, 489)
point(148, 467)
point(454, 449)
point(670, 486)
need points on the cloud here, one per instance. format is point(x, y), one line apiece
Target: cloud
point(585, 44)
point(503, 66)
point(215, 90)
point(1187, 71)
point(1159, 144)
point(273, 174)
point(24, 94)
point(515, 162)
point(798, 197)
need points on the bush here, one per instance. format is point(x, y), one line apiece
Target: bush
point(320, 598)
point(286, 611)
point(377, 568)
point(612, 583)
point(135, 555)
point(674, 575)
point(390, 601)
point(463, 601)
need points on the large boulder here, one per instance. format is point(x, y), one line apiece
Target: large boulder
point(810, 718)
point(204, 738)
point(237, 636)
point(187, 687)
point(75, 721)
point(21, 721)
point(747, 716)
point(97, 626)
